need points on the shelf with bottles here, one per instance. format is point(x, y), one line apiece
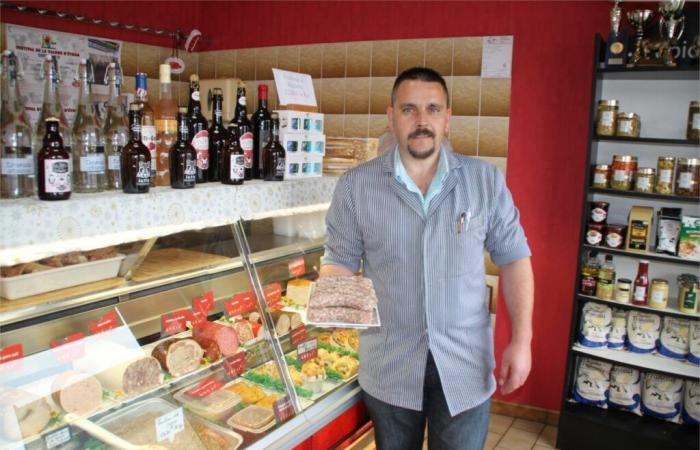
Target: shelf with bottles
point(645, 255)
point(668, 311)
point(648, 361)
point(693, 200)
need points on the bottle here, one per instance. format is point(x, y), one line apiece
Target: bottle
point(51, 106)
point(605, 286)
point(89, 160)
point(232, 159)
point(273, 154)
point(148, 122)
point(166, 126)
point(54, 169)
point(198, 131)
point(262, 126)
point(589, 274)
point(245, 129)
point(116, 130)
point(183, 157)
point(218, 136)
point(641, 284)
point(16, 158)
point(136, 159)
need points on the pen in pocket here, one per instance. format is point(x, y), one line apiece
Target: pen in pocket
point(463, 222)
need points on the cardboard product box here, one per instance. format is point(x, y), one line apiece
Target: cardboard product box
point(303, 166)
point(639, 229)
point(301, 142)
point(300, 121)
point(689, 242)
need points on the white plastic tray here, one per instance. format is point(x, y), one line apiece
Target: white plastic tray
point(20, 286)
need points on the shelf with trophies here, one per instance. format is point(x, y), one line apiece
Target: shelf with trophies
point(642, 167)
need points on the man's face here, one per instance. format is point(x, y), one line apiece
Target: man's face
point(419, 117)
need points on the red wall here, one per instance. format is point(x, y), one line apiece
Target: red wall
point(551, 88)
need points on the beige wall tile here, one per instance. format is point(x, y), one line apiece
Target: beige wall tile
point(181, 92)
point(378, 125)
point(245, 64)
point(226, 63)
point(288, 58)
point(384, 58)
point(333, 125)
point(356, 125)
point(311, 60)
point(191, 61)
point(359, 59)
point(129, 60)
point(411, 54)
point(129, 87)
point(334, 60)
point(317, 91)
point(438, 55)
point(467, 57)
point(464, 134)
point(154, 90)
point(148, 59)
point(493, 141)
point(272, 100)
point(207, 65)
point(495, 97)
point(265, 60)
point(332, 93)
point(357, 95)
point(380, 94)
point(465, 96)
point(251, 94)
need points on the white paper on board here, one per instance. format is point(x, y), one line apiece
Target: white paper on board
point(496, 56)
point(294, 88)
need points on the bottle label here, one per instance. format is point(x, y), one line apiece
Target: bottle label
point(640, 294)
point(237, 167)
point(143, 176)
point(625, 126)
point(195, 96)
point(217, 115)
point(613, 240)
point(594, 237)
point(607, 118)
point(665, 175)
point(643, 184)
point(148, 138)
point(598, 215)
point(599, 178)
point(93, 163)
point(242, 101)
point(57, 175)
point(689, 299)
point(168, 126)
point(620, 175)
point(696, 121)
point(279, 169)
point(114, 162)
point(190, 170)
point(200, 142)
point(246, 141)
point(685, 180)
point(17, 166)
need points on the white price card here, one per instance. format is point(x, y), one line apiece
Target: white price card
point(169, 425)
point(57, 438)
point(294, 88)
point(496, 56)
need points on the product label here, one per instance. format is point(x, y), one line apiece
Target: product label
point(624, 126)
point(143, 175)
point(640, 294)
point(69, 348)
point(665, 175)
point(298, 335)
point(594, 237)
point(588, 285)
point(613, 240)
point(644, 184)
point(190, 170)
point(195, 96)
point(620, 175)
point(56, 438)
point(148, 138)
point(11, 358)
point(598, 215)
point(237, 167)
point(685, 180)
point(169, 425)
point(235, 365)
point(606, 118)
point(283, 409)
point(105, 323)
point(17, 166)
point(273, 294)
point(200, 142)
point(205, 303)
point(242, 100)
point(246, 141)
point(93, 163)
point(689, 299)
point(307, 350)
point(57, 175)
point(639, 230)
point(168, 126)
point(297, 267)
point(114, 162)
point(279, 169)
point(696, 121)
point(240, 304)
point(599, 179)
point(657, 298)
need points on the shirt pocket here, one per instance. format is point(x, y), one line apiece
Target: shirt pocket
point(465, 246)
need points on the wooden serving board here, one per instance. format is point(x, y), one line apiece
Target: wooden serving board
point(171, 261)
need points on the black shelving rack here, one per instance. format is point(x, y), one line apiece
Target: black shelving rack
point(585, 427)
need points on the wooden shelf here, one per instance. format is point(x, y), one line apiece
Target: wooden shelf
point(648, 361)
point(643, 195)
point(649, 256)
point(666, 311)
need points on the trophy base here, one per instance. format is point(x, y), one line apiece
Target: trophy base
point(653, 53)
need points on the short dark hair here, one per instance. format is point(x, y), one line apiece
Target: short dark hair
point(421, 74)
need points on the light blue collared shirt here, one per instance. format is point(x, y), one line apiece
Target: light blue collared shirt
point(435, 185)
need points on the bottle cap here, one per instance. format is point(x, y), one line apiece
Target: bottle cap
point(134, 107)
point(165, 73)
point(218, 91)
point(182, 110)
point(194, 77)
point(51, 119)
point(262, 91)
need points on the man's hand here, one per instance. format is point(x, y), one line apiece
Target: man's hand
point(515, 367)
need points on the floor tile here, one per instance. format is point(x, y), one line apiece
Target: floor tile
point(492, 440)
point(528, 425)
point(540, 447)
point(548, 437)
point(515, 439)
point(500, 423)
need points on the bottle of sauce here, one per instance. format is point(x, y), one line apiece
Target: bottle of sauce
point(136, 159)
point(233, 159)
point(54, 164)
point(183, 157)
point(198, 131)
point(262, 128)
point(273, 154)
point(218, 136)
point(166, 126)
point(641, 284)
point(148, 123)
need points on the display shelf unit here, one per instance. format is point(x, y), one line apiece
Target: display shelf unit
point(665, 311)
point(660, 95)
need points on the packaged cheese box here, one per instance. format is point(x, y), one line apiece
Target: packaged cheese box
point(689, 242)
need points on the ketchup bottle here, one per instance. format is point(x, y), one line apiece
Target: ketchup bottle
point(641, 284)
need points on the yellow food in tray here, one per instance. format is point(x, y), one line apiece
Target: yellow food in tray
point(349, 339)
point(268, 400)
point(325, 358)
point(346, 366)
point(249, 393)
point(312, 369)
point(324, 338)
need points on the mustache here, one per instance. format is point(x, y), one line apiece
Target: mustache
point(421, 132)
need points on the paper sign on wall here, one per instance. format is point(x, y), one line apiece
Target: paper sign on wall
point(496, 56)
point(294, 88)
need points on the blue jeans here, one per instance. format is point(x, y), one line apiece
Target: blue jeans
point(397, 428)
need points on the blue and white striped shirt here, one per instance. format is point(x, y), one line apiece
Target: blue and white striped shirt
point(429, 277)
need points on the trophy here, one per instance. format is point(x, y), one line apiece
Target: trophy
point(671, 26)
point(639, 18)
point(616, 50)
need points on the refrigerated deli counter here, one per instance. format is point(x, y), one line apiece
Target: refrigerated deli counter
point(175, 319)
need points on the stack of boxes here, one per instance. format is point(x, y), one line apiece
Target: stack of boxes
point(301, 135)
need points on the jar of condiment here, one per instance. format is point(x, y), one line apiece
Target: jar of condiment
point(645, 180)
point(624, 167)
point(599, 212)
point(594, 235)
point(601, 176)
point(687, 177)
point(658, 294)
point(664, 180)
point(693, 131)
point(628, 124)
point(615, 235)
point(606, 117)
point(688, 293)
point(622, 290)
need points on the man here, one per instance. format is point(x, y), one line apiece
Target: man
point(418, 219)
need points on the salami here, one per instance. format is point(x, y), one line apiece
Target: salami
point(211, 348)
point(225, 337)
point(178, 356)
point(77, 393)
point(348, 292)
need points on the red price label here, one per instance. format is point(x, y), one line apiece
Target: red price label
point(307, 350)
point(172, 323)
point(205, 387)
point(205, 303)
point(297, 267)
point(235, 365)
point(273, 294)
point(10, 357)
point(240, 304)
point(69, 348)
point(198, 317)
point(284, 410)
point(105, 323)
point(298, 335)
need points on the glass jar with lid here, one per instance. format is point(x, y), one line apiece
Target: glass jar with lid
point(693, 131)
point(624, 167)
point(687, 176)
point(606, 117)
point(645, 180)
point(664, 171)
point(601, 176)
point(658, 294)
point(688, 293)
point(628, 125)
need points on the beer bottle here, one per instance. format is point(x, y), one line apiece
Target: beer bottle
point(245, 129)
point(273, 154)
point(54, 165)
point(51, 106)
point(116, 129)
point(262, 125)
point(183, 157)
point(217, 136)
point(136, 159)
point(198, 131)
point(148, 123)
point(233, 159)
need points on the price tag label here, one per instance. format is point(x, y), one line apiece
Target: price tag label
point(273, 294)
point(11, 353)
point(205, 387)
point(197, 317)
point(235, 365)
point(283, 409)
point(241, 303)
point(307, 350)
point(169, 425)
point(69, 348)
point(105, 323)
point(297, 267)
point(57, 438)
point(174, 323)
point(205, 303)
point(298, 335)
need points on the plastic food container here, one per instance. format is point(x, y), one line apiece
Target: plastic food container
point(61, 277)
point(214, 437)
point(216, 406)
point(253, 419)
